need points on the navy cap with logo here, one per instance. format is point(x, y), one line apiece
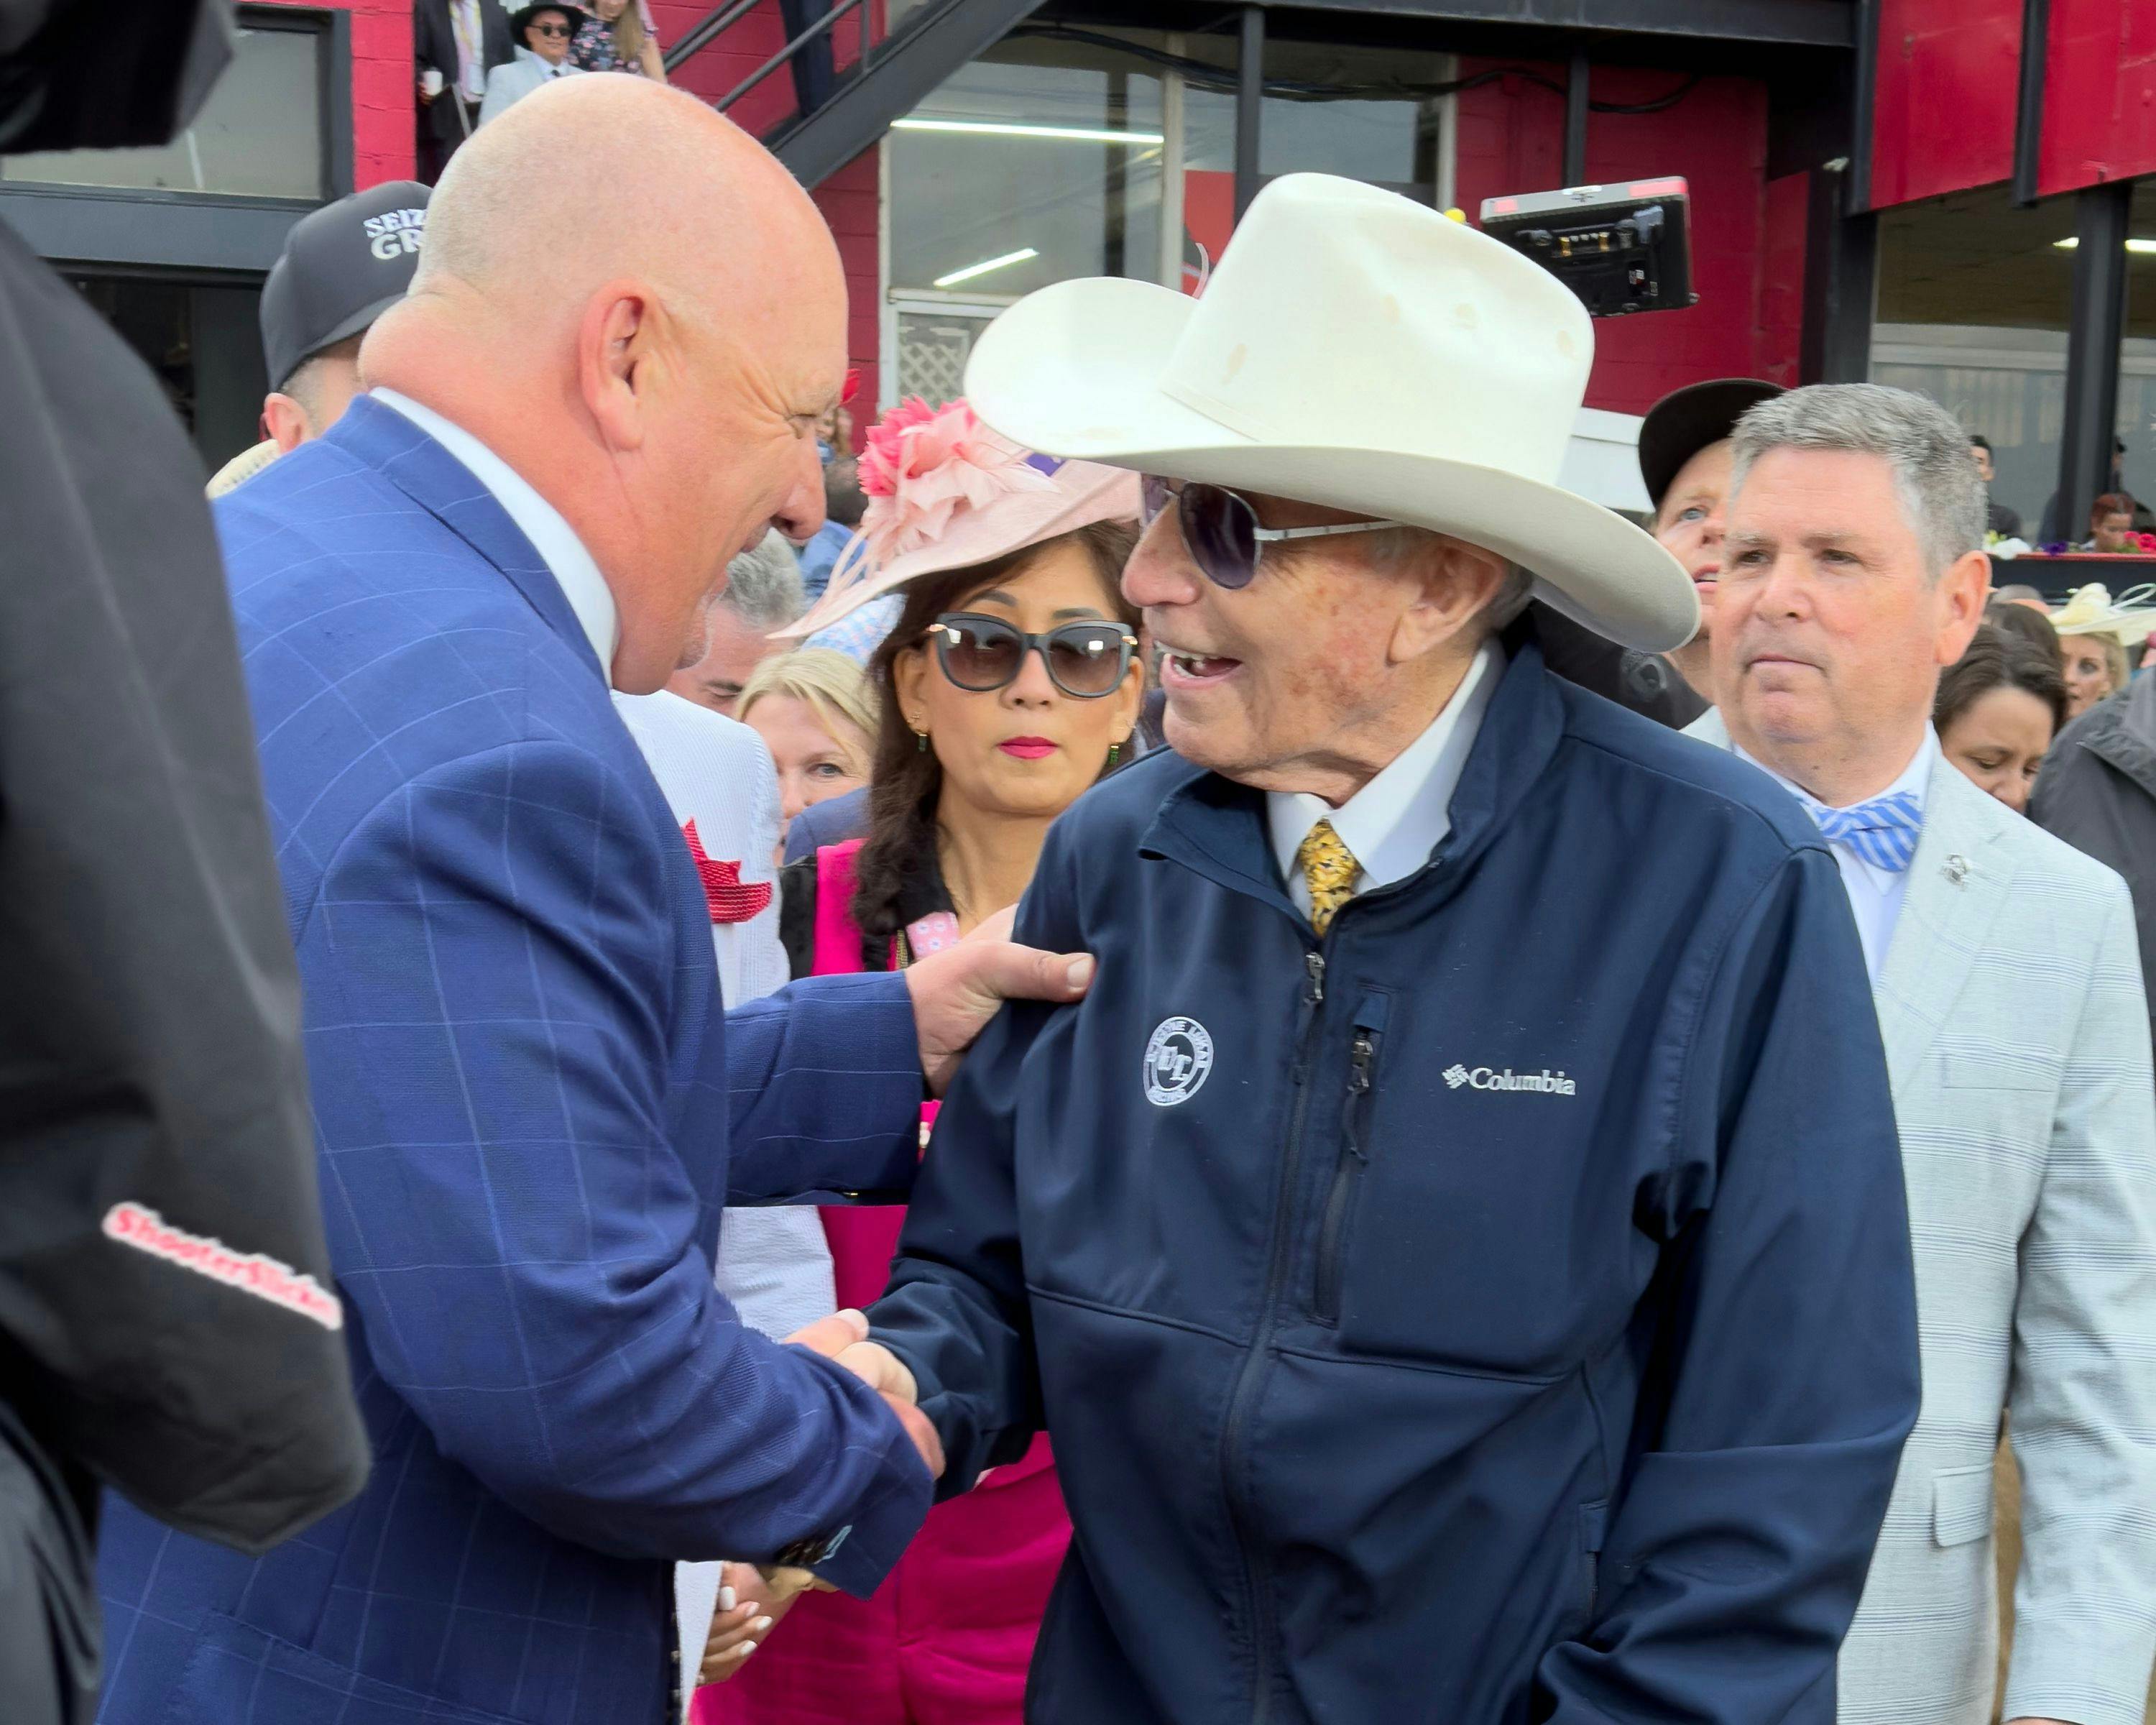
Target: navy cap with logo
point(343, 266)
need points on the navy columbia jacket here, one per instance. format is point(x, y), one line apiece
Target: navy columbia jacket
point(1500, 1310)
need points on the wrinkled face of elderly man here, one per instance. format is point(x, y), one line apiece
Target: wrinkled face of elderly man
point(1834, 617)
point(1336, 656)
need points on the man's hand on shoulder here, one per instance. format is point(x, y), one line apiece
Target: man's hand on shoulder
point(843, 1337)
point(956, 991)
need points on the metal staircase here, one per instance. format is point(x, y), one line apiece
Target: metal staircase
point(889, 72)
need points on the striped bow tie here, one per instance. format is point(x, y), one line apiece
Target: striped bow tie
point(1883, 831)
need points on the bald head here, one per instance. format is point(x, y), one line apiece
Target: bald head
point(590, 177)
point(632, 302)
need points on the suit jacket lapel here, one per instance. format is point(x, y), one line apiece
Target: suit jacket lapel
point(1957, 885)
point(445, 488)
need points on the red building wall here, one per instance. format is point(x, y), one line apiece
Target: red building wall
point(2099, 95)
point(1512, 139)
point(1942, 111)
point(1945, 111)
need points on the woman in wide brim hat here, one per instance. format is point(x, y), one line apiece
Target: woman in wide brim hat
point(2096, 632)
point(1010, 684)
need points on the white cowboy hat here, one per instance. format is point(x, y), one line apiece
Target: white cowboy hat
point(1355, 350)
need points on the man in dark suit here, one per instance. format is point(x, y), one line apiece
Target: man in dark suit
point(456, 43)
point(163, 1326)
point(527, 1096)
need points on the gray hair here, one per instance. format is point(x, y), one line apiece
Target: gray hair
point(763, 585)
point(1398, 545)
point(1925, 446)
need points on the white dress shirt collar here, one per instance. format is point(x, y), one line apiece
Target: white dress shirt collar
point(1915, 781)
point(553, 538)
point(1395, 821)
point(1875, 893)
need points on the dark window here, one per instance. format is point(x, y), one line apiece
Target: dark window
point(259, 134)
point(203, 342)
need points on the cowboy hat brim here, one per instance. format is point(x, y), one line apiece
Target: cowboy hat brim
point(1074, 369)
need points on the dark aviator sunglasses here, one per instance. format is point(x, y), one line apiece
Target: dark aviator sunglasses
point(1220, 530)
point(980, 655)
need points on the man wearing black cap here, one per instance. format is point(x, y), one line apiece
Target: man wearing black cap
point(1684, 458)
point(543, 33)
point(343, 266)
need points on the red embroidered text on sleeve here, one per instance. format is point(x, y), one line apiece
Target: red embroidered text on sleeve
point(250, 1272)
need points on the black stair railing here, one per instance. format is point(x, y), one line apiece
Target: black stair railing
point(893, 70)
point(716, 22)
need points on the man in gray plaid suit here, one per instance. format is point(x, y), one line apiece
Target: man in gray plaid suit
point(2005, 970)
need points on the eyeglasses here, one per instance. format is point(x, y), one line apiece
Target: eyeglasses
point(1085, 660)
point(1220, 530)
point(552, 29)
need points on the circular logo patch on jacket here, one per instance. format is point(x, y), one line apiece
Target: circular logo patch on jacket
point(1177, 1061)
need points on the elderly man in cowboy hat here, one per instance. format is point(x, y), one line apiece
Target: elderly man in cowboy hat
point(1458, 1249)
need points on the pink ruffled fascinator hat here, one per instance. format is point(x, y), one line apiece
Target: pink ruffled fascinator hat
point(945, 492)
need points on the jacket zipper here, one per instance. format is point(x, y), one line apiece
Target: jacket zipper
point(1240, 1512)
point(1354, 1157)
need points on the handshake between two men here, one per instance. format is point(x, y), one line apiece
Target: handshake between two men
point(753, 1598)
point(949, 1010)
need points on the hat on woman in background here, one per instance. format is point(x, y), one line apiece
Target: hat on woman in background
point(2091, 610)
point(945, 492)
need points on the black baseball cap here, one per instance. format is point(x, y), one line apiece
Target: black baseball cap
point(343, 266)
point(520, 20)
point(1686, 420)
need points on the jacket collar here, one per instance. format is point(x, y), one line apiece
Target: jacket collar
point(1957, 885)
point(442, 485)
point(1218, 828)
point(2122, 732)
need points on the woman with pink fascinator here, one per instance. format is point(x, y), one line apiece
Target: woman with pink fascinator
point(1009, 685)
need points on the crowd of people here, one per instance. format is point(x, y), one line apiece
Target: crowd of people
point(1078, 1065)
point(475, 58)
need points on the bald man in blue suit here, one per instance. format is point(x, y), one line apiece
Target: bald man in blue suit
point(529, 1107)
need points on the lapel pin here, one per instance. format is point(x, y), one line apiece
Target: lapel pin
point(1957, 868)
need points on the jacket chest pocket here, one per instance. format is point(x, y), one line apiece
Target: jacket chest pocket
point(1466, 1222)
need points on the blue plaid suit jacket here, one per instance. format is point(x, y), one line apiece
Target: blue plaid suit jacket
point(525, 1094)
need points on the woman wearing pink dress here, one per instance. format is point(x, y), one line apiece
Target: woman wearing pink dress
point(1010, 684)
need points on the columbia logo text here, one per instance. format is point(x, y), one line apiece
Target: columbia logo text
point(1548, 1083)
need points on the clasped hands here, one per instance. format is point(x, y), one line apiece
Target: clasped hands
point(843, 1337)
point(752, 1598)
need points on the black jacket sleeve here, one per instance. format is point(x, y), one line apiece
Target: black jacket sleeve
point(159, 1223)
point(956, 1310)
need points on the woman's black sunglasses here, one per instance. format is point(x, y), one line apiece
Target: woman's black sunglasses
point(1220, 530)
point(1085, 660)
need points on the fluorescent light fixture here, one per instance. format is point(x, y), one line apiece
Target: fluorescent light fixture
point(2144, 247)
point(985, 266)
point(1001, 129)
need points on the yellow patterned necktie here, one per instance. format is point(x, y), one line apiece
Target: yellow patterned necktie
point(1329, 869)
